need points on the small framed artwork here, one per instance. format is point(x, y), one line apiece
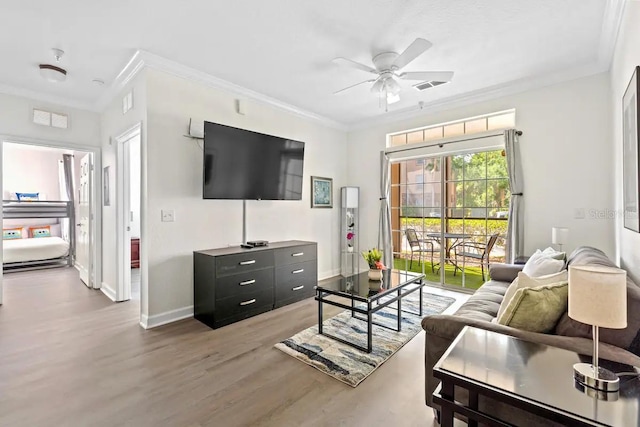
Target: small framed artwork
point(321, 192)
point(105, 186)
point(630, 141)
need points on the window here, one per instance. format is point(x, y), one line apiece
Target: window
point(493, 121)
point(465, 195)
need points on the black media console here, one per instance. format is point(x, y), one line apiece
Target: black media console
point(231, 284)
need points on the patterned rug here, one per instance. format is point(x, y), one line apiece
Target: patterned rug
point(351, 365)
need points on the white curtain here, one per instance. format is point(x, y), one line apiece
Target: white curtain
point(384, 231)
point(515, 227)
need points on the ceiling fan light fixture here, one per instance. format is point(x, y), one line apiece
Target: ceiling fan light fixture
point(392, 86)
point(53, 74)
point(393, 98)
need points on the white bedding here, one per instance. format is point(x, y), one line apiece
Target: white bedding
point(41, 248)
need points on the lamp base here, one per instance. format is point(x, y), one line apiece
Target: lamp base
point(604, 380)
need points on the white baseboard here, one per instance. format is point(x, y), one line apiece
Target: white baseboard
point(156, 320)
point(328, 274)
point(144, 321)
point(108, 291)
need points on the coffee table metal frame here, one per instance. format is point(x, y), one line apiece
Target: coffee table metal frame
point(370, 308)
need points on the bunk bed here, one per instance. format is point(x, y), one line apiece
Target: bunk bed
point(41, 252)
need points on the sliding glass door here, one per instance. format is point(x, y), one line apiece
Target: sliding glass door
point(449, 216)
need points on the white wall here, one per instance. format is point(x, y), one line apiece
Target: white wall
point(626, 57)
point(174, 179)
point(113, 124)
point(30, 169)
point(16, 120)
point(565, 151)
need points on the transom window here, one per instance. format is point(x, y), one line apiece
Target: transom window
point(484, 123)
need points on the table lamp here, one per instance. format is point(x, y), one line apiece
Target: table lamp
point(559, 236)
point(597, 297)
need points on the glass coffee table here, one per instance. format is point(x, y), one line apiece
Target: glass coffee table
point(366, 297)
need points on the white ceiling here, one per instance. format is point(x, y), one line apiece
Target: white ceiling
point(283, 48)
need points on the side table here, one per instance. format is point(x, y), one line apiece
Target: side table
point(531, 377)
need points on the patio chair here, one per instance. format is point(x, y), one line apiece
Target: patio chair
point(475, 250)
point(419, 246)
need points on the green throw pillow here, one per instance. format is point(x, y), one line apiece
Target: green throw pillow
point(536, 309)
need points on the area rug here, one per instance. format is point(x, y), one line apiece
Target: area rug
point(348, 364)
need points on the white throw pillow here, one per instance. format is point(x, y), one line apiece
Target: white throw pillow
point(552, 253)
point(524, 281)
point(541, 264)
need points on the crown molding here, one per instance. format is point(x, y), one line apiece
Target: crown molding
point(482, 95)
point(45, 98)
point(130, 70)
point(142, 59)
point(611, 23)
point(612, 18)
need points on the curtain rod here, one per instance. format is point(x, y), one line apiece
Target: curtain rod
point(442, 144)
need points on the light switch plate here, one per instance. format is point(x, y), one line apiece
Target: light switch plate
point(168, 215)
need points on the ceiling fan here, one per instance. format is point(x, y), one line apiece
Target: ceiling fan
point(388, 66)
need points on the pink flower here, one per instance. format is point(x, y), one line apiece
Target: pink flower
point(350, 235)
point(380, 265)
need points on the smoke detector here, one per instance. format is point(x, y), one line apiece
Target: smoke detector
point(53, 73)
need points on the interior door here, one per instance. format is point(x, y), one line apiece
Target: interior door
point(83, 243)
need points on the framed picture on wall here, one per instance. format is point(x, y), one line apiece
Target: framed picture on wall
point(631, 181)
point(321, 192)
point(105, 185)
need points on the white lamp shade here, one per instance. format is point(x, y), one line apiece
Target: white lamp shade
point(559, 235)
point(598, 296)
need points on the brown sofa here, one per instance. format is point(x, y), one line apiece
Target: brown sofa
point(483, 306)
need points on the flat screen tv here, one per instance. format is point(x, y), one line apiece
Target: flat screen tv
point(245, 165)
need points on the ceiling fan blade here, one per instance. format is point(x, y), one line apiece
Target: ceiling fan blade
point(344, 62)
point(357, 84)
point(377, 86)
point(415, 49)
point(439, 76)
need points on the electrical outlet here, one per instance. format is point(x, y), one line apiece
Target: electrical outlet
point(168, 215)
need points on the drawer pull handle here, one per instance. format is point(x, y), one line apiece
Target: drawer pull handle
point(297, 271)
point(251, 301)
point(247, 282)
point(298, 254)
point(253, 261)
point(297, 288)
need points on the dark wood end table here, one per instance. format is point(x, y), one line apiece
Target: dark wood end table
point(533, 377)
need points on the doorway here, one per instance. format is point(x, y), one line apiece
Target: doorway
point(129, 227)
point(449, 215)
point(49, 193)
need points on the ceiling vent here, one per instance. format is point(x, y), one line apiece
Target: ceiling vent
point(427, 85)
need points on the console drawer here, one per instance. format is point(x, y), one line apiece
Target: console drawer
point(296, 272)
point(244, 283)
point(244, 303)
point(295, 254)
point(295, 291)
point(249, 261)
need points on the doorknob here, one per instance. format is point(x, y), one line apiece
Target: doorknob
point(78, 225)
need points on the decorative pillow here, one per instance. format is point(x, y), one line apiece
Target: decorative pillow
point(11, 233)
point(524, 281)
point(40, 231)
point(537, 309)
point(541, 264)
point(552, 253)
point(28, 197)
